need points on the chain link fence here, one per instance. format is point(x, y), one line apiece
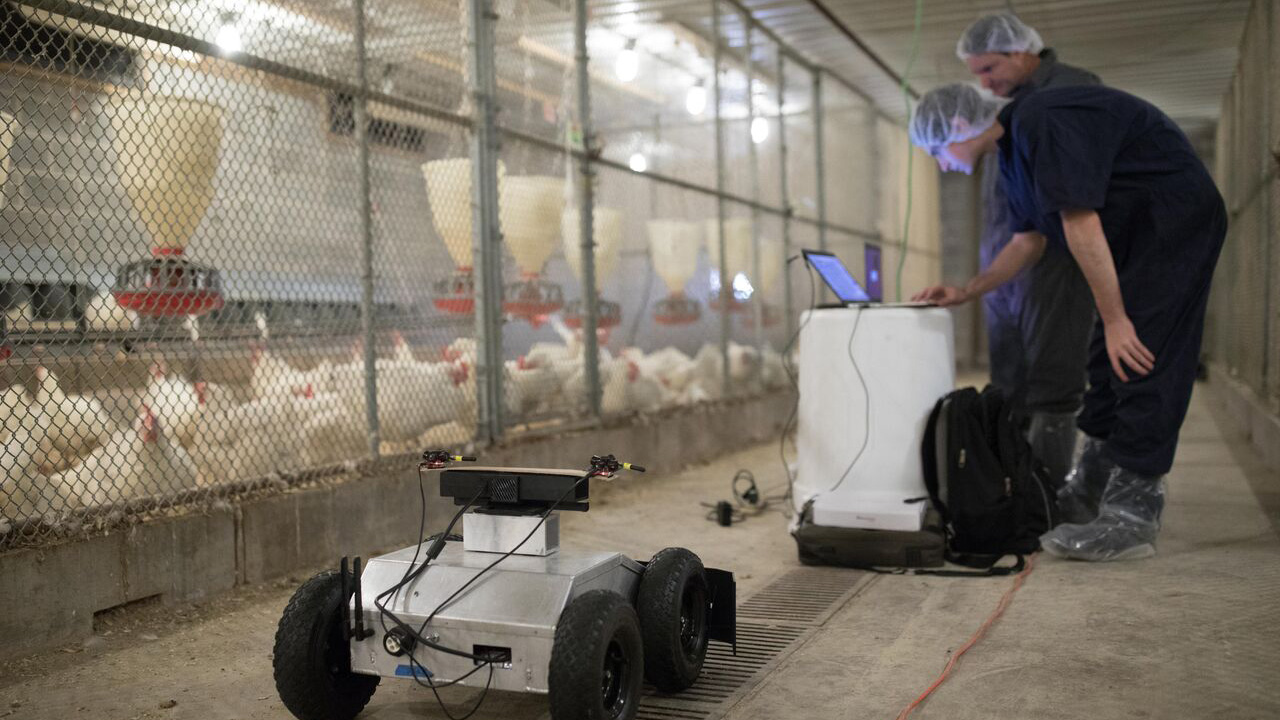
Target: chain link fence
point(255, 243)
point(1243, 330)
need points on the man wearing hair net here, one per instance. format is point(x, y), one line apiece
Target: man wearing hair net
point(1038, 325)
point(1112, 179)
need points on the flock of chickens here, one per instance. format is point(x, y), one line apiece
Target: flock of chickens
point(63, 451)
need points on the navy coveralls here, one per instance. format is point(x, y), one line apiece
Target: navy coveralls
point(1105, 150)
point(1039, 323)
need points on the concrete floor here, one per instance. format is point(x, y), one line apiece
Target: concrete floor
point(1191, 633)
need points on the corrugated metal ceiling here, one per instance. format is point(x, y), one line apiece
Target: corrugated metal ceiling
point(1179, 54)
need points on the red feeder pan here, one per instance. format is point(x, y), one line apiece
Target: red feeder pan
point(168, 285)
point(677, 310)
point(533, 299)
point(455, 294)
point(610, 314)
point(735, 305)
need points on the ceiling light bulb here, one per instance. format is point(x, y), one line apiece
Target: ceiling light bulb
point(628, 63)
point(696, 99)
point(759, 130)
point(638, 162)
point(228, 38)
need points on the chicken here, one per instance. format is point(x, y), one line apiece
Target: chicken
point(245, 441)
point(76, 424)
point(616, 378)
point(15, 405)
point(272, 376)
point(179, 401)
point(773, 374)
point(532, 384)
point(138, 461)
point(413, 398)
point(104, 314)
point(332, 430)
point(25, 491)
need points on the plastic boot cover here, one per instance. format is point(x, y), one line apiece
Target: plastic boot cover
point(1079, 497)
point(1053, 440)
point(1126, 526)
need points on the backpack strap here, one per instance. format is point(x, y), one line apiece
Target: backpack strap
point(991, 571)
point(929, 457)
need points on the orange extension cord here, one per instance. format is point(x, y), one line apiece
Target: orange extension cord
point(995, 615)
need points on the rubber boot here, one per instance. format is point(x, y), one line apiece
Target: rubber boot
point(1080, 494)
point(1053, 440)
point(1127, 523)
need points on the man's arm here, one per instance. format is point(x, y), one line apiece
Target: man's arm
point(1088, 244)
point(1021, 252)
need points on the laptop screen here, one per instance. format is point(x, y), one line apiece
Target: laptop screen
point(836, 276)
point(872, 256)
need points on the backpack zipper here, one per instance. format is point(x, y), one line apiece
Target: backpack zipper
point(1008, 486)
point(962, 457)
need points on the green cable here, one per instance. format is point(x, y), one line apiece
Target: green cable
point(906, 101)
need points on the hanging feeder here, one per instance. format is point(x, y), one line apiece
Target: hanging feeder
point(737, 249)
point(607, 234)
point(449, 193)
point(455, 294)
point(166, 158)
point(529, 210)
point(168, 285)
point(673, 248)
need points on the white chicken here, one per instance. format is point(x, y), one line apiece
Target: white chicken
point(332, 430)
point(272, 376)
point(25, 491)
point(15, 404)
point(773, 374)
point(414, 397)
point(176, 399)
point(245, 441)
point(135, 462)
point(76, 424)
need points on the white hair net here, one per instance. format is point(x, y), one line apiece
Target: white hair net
point(934, 123)
point(999, 33)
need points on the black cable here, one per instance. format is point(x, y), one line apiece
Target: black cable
point(412, 572)
point(484, 693)
point(866, 406)
point(508, 554)
point(795, 384)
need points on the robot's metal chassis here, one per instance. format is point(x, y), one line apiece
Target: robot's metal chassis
point(509, 615)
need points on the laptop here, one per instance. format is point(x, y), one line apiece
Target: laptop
point(847, 289)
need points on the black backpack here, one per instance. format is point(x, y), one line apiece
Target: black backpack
point(994, 496)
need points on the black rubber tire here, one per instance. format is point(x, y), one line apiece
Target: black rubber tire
point(312, 661)
point(672, 605)
point(597, 661)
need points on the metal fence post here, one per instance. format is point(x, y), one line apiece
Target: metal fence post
point(486, 232)
point(367, 318)
point(819, 160)
point(726, 283)
point(586, 207)
point(787, 305)
point(757, 305)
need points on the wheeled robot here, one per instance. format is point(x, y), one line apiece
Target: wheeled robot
point(504, 607)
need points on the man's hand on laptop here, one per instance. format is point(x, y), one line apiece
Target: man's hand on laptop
point(942, 296)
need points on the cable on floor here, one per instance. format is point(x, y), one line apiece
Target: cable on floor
point(1003, 605)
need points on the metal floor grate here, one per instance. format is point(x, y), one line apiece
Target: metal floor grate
point(807, 596)
point(771, 625)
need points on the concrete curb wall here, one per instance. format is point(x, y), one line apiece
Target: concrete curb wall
point(1251, 416)
point(49, 595)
